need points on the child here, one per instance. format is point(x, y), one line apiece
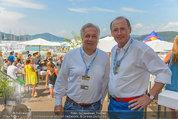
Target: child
point(51, 76)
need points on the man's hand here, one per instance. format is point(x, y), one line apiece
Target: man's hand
point(140, 103)
point(58, 110)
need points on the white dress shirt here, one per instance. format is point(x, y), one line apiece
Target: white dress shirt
point(134, 72)
point(12, 70)
point(74, 68)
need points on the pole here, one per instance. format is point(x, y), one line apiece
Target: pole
point(39, 49)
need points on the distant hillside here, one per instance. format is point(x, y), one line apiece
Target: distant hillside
point(46, 36)
point(165, 35)
point(49, 37)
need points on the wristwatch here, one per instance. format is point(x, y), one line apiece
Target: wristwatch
point(151, 96)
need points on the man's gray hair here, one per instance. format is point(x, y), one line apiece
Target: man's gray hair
point(121, 18)
point(87, 26)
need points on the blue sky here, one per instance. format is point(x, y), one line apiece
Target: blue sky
point(61, 17)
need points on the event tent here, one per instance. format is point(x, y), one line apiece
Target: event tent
point(107, 43)
point(152, 36)
point(2, 45)
point(65, 44)
point(39, 42)
point(157, 43)
point(160, 46)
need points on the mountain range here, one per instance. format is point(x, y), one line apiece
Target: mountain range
point(46, 36)
point(165, 35)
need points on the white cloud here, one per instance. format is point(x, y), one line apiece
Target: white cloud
point(105, 31)
point(132, 10)
point(101, 9)
point(10, 21)
point(22, 3)
point(64, 33)
point(171, 26)
point(19, 28)
point(137, 26)
point(85, 10)
point(9, 16)
point(82, 10)
point(142, 29)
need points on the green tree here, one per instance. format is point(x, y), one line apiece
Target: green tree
point(76, 42)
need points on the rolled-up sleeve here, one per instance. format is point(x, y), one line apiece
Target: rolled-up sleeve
point(156, 67)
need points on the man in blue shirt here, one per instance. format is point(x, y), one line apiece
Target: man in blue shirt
point(11, 57)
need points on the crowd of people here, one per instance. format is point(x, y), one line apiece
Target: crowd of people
point(87, 75)
point(30, 67)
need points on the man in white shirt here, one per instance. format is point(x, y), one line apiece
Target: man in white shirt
point(88, 71)
point(12, 70)
point(7, 63)
point(132, 62)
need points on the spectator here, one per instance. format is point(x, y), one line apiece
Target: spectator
point(1, 61)
point(173, 65)
point(51, 76)
point(12, 70)
point(7, 63)
point(31, 77)
point(11, 57)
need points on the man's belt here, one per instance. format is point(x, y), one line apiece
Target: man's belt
point(79, 104)
point(124, 99)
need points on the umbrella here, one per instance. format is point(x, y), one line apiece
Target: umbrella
point(39, 42)
point(107, 43)
point(160, 46)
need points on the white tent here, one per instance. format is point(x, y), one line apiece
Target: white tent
point(2, 45)
point(65, 44)
point(160, 46)
point(107, 43)
point(39, 42)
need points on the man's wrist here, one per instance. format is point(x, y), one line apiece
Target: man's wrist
point(150, 96)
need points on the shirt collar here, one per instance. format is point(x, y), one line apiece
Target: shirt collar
point(125, 47)
point(85, 54)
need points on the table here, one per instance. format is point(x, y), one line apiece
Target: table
point(168, 99)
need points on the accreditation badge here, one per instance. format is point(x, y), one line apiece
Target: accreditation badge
point(85, 87)
point(85, 78)
point(85, 82)
point(117, 69)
